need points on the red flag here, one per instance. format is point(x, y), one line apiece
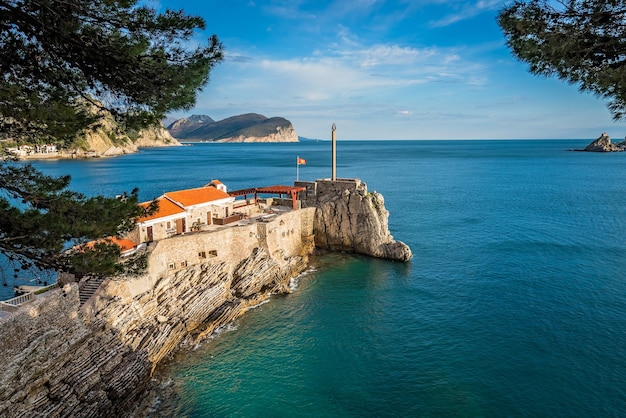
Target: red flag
point(301, 161)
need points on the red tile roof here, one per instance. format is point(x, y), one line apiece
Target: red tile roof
point(196, 196)
point(123, 243)
point(166, 208)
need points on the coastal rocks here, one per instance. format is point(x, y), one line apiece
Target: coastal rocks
point(106, 140)
point(56, 364)
point(349, 218)
point(603, 144)
point(61, 360)
point(104, 143)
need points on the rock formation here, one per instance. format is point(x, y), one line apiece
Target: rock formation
point(349, 218)
point(603, 144)
point(101, 144)
point(63, 360)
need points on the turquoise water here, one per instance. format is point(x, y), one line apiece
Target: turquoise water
point(514, 303)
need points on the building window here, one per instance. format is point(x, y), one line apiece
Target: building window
point(213, 253)
point(183, 264)
point(171, 266)
point(169, 225)
point(202, 254)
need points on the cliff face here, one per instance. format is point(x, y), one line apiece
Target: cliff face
point(103, 143)
point(62, 360)
point(349, 218)
point(58, 364)
point(281, 134)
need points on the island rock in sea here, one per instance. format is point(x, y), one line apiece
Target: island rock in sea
point(603, 144)
point(249, 127)
point(73, 352)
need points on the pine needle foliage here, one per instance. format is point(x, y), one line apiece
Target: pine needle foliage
point(582, 42)
point(61, 59)
point(64, 64)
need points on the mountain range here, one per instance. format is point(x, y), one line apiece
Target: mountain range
point(248, 127)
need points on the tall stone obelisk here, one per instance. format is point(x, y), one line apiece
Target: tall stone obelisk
point(334, 141)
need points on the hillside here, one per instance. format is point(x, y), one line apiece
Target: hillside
point(105, 141)
point(249, 127)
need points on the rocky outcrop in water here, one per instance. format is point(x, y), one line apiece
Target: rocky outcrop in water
point(603, 144)
point(349, 218)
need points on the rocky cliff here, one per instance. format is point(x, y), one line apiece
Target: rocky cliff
point(107, 141)
point(349, 218)
point(63, 360)
point(104, 143)
point(603, 144)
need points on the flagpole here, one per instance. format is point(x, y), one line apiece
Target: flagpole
point(297, 168)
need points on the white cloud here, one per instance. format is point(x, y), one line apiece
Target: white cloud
point(468, 10)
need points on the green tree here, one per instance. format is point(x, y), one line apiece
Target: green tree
point(64, 64)
point(582, 42)
point(63, 59)
point(45, 225)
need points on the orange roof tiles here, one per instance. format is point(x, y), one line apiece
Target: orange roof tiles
point(166, 208)
point(196, 196)
point(123, 243)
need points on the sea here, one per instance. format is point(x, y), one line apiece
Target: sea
point(513, 305)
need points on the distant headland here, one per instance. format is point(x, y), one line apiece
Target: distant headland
point(248, 127)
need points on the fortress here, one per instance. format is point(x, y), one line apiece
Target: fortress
point(90, 350)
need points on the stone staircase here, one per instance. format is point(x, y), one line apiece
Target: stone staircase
point(88, 288)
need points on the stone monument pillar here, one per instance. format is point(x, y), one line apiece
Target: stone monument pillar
point(334, 141)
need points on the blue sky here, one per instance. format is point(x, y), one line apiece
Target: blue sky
point(403, 69)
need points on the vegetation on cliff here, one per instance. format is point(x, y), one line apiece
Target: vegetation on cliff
point(579, 41)
point(64, 64)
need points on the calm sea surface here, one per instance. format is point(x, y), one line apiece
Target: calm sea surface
point(514, 303)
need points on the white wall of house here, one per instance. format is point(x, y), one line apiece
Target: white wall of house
point(162, 227)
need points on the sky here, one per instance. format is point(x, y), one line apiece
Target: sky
point(384, 69)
